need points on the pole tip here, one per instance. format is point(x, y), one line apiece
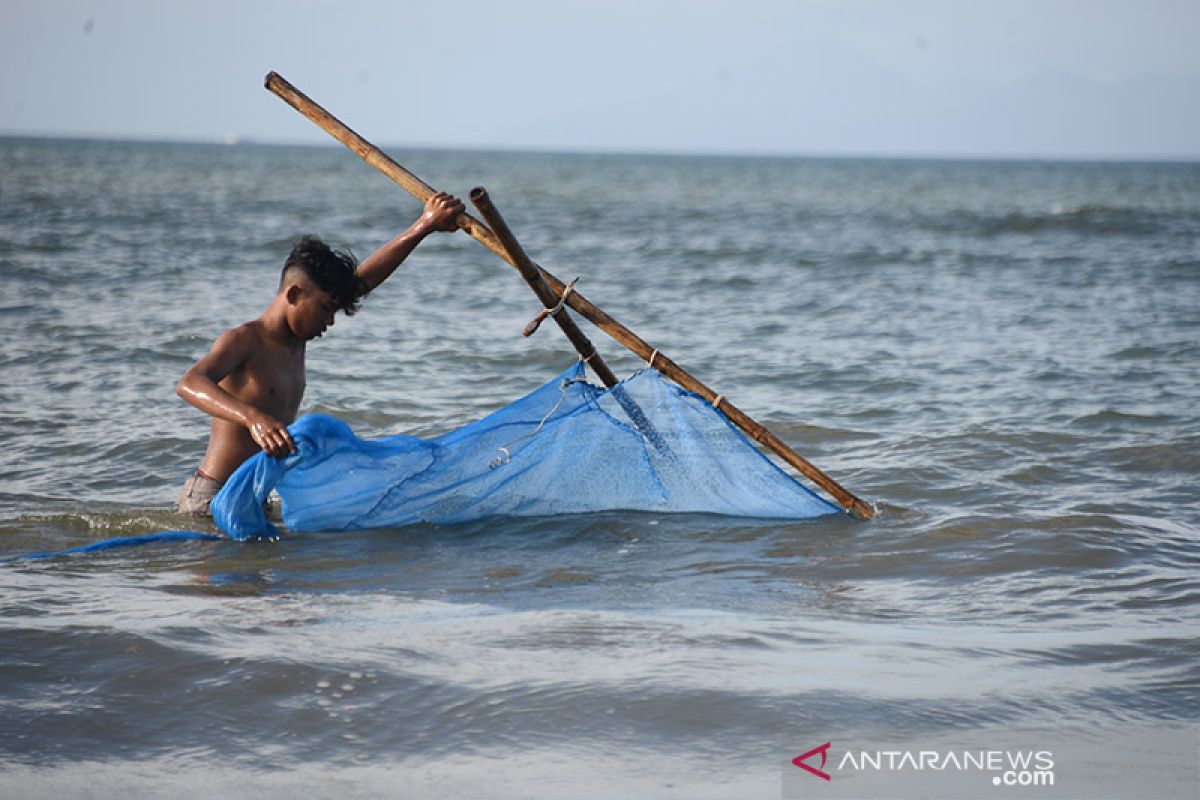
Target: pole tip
point(478, 193)
point(861, 510)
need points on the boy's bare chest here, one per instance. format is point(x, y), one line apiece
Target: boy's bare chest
point(273, 381)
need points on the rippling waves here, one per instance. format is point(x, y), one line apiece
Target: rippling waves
point(1002, 356)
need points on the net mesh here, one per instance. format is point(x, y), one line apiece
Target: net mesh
point(566, 448)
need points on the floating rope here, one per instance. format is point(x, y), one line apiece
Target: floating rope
point(124, 541)
point(505, 455)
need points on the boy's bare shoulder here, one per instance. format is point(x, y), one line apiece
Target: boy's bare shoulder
point(246, 332)
point(245, 338)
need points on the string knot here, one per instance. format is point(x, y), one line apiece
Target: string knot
point(552, 311)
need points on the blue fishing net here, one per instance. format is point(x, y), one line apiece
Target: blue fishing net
point(567, 448)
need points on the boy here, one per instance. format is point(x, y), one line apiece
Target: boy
point(252, 380)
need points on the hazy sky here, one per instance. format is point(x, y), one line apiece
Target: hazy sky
point(1078, 78)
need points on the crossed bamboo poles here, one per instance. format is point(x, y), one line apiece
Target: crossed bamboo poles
point(511, 251)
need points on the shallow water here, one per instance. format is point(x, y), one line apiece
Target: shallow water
point(1003, 356)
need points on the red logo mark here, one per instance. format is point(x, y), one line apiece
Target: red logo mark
point(824, 751)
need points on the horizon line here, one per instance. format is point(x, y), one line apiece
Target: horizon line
point(234, 140)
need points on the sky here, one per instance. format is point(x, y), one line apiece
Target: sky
point(969, 78)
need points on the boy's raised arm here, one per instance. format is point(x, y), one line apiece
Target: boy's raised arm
point(440, 214)
point(200, 387)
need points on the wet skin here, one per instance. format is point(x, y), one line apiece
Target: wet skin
point(252, 380)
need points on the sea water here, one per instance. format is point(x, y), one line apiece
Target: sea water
point(1004, 357)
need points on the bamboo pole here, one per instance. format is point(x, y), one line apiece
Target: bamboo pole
point(422, 191)
point(533, 276)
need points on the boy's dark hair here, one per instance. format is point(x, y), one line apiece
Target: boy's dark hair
point(333, 271)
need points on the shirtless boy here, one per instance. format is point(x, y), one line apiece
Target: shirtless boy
point(252, 380)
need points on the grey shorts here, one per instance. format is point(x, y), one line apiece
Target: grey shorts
point(198, 491)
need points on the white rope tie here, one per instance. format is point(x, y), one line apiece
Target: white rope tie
point(717, 402)
point(562, 301)
point(653, 356)
point(550, 311)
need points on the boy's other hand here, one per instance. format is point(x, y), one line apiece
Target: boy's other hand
point(441, 212)
point(271, 435)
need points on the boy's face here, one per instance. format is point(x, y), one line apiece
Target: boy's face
point(312, 312)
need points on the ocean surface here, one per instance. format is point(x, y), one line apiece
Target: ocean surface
point(1003, 357)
